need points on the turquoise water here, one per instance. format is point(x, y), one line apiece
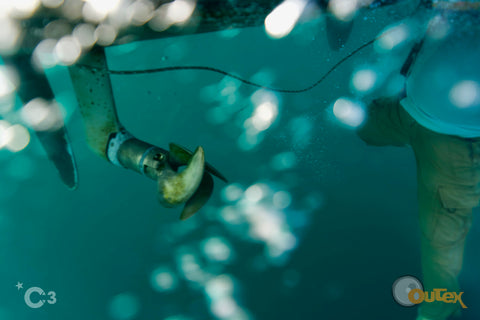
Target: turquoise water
point(313, 224)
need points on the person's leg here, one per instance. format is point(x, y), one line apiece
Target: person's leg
point(448, 172)
point(443, 240)
point(447, 192)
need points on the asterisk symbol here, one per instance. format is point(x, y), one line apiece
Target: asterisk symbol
point(19, 285)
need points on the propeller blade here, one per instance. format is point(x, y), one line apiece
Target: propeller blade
point(176, 188)
point(180, 156)
point(199, 198)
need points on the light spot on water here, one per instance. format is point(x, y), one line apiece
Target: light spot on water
point(264, 115)
point(140, 12)
point(219, 287)
point(42, 115)
point(9, 34)
point(163, 279)
point(68, 50)
point(348, 112)
point(266, 110)
point(85, 35)
point(176, 12)
point(7, 83)
point(266, 212)
point(43, 54)
point(284, 161)
point(97, 10)
point(232, 192)
point(217, 249)
point(180, 11)
point(282, 199)
point(228, 86)
point(255, 192)
point(24, 8)
point(465, 94)
point(72, 10)
point(265, 77)
point(105, 34)
point(17, 138)
point(52, 3)
point(391, 38)
point(124, 306)
point(7, 103)
point(230, 215)
point(281, 21)
point(268, 225)
point(343, 9)
point(4, 125)
point(224, 308)
point(248, 141)
point(438, 27)
point(364, 80)
point(190, 266)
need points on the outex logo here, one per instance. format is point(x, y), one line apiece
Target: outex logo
point(408, 291)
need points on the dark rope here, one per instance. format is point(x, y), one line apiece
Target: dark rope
point(247, 82)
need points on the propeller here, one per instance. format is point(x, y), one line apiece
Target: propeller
point(191, 186)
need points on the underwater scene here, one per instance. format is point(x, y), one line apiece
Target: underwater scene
point(191, 160)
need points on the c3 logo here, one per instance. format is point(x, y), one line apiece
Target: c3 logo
point(38, 295)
